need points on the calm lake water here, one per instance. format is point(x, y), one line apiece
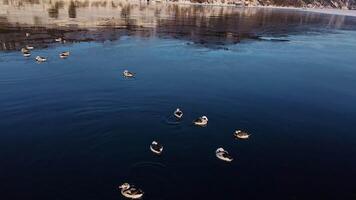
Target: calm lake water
point(75, 129)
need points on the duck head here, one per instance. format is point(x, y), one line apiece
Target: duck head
point(124, 186)
point(204, 118)
point(220, 149)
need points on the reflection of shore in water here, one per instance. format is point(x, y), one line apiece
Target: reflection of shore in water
point(108, 20)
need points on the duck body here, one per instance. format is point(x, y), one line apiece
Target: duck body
point(58, 39)
point(178, 113)
point(128, 74)
point(241, 134)
point(201, 121)
point(223, 155)
point(25, 50)
point(156, 148)
point(41, 59)
point(27, 54)
point(29, 47)
point(130, 192)
point(64, 54)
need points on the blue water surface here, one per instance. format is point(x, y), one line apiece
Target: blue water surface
point(75, 128)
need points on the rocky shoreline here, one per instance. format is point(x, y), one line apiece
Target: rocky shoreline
point(317, 4)
point(324, 10)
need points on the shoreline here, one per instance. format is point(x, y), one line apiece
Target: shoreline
point(350, 13)
point(330, 11)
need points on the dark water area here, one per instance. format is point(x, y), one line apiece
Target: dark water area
point(76, 129)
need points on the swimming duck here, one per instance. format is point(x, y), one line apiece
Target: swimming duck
point(25, 50)
point(178, 113)
point(241, 134)
point(201, 121)
point(130, 192)
point(64, 54)
point(223, 155)
point(40, 59)
point(156, 148)
point(58, 39)
point(27, 54)
point(128, 74)
point(29, 47)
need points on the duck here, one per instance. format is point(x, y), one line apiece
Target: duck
point(130, 192)
point(241, 134)
point(27, 34)
point(58, 39)
point(178, 113)
point(64, 54)
point(25, 50)
point(201, 121)
point(40, 59)
point(27, 54)
point(222, 154)
point(128, 74)
point(29, 47)
point(156, 147)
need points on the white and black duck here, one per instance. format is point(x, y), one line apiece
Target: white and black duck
point(26, 54)
point(64, 54)
point(128, 74)
point(41, 59)
point(222, 154)
point(25, 50)
point(178, 113)
point(156, 147)
point(130, 192)
point(241, 134)
point(201, 121)
point(29, 47)
point(58, 39)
